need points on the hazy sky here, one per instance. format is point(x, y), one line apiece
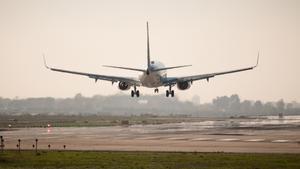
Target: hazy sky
point(212, 35)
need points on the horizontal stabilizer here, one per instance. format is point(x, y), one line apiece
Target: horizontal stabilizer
point(174, 67)
point(126, 68)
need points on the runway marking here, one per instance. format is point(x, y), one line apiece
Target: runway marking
point(229, 139)
point(256, 140)
point(148, 138)
point(280, 141)
point(49, 137)
point(177, 138)
point(201, 139)
point(121, 138)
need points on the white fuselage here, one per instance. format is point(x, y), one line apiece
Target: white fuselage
point(154, 78)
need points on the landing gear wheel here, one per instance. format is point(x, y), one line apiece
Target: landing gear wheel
point(155, 90)
point(172, 93)
point(135, 92)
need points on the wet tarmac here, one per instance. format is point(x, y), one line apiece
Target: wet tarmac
point(263, 135)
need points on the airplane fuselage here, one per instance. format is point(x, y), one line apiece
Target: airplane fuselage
point(153, 79)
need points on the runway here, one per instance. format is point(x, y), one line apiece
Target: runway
point(266, 135)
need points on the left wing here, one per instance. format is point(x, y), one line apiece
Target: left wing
point(174, 80)
point(129, 80)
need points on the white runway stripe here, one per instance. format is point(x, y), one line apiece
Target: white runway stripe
point(229, 139)
point(256, 140)
point(177, 138)
point(201, 139)
point(148, 138)
point(280, 141)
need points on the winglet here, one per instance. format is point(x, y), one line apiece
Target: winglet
point(45, 63)
point(257, 60)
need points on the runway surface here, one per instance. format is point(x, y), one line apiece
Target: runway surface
point(263, 135)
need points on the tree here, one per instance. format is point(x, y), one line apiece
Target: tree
point(280, 105)
point(258, 107)
point(269, 109)
point(221, 103)
point(234, 103)
point(246, 107)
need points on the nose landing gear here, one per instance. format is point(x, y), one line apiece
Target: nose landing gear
point(155, 90)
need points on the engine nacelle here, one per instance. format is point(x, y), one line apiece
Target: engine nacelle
point(183, 85)
point(124, 86)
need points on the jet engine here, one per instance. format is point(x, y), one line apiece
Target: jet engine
point(183, 85)
point(124, 86)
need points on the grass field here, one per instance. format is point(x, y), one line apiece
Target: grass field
point(88, 121)
point(144, 160)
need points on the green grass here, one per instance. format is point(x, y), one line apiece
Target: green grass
point(87, 121)
point(145, 160)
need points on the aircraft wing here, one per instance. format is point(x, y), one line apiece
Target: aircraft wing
point(174, 80)
point(113, 79)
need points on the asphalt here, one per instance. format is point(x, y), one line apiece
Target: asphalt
point(255, 135)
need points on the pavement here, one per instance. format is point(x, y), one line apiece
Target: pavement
point(255, 135)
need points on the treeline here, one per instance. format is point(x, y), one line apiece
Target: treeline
point(100, 105)
point(234, 106)
point(155, 105)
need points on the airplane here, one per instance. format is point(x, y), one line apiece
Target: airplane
point(153, 76)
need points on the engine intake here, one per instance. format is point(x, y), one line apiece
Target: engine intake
point(124, 86)
point(183, 85)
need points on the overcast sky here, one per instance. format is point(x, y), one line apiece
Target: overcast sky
point(212, 35)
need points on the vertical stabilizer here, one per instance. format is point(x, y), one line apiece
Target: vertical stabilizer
point(148, 48)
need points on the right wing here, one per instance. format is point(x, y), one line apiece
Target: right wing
point(131, 81)
point(174, 80)
point(210, 75)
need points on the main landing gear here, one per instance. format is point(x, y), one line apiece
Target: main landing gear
point(156, 90)
point(135, 92)
point(170, 92)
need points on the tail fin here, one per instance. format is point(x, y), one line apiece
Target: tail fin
point(148, 47)
point(148, 58)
